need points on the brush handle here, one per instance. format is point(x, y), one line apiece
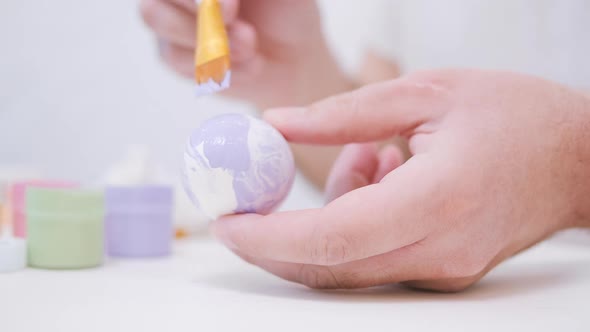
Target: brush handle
point(212, 39)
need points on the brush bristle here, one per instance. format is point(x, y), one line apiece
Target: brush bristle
point(212, 70)
point(213, 76)
point(212, 86)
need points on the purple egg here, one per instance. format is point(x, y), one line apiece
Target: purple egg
point(235, 163)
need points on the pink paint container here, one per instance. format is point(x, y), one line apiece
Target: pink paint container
point(17, 198)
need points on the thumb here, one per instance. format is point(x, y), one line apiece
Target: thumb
point(374, 112)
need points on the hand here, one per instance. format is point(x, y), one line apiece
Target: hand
point(500, 162)
point(360, 165)
point(279, 55)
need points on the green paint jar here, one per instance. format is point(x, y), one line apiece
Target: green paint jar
point(65, 228)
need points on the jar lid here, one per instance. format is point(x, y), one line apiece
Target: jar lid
point(64, 201)
point(18, 190)
point(133, 197)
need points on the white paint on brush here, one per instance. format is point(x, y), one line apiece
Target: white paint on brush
point(211, 86)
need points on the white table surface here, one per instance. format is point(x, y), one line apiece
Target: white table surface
point(203, 287)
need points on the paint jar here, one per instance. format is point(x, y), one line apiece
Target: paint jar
point(139, 221)
point(13, 254)
point(3, 219)
point(17, 197)
point(65, 228)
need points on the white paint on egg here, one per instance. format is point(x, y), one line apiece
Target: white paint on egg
point(213, 187)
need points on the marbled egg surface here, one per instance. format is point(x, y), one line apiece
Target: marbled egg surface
point(235, 163)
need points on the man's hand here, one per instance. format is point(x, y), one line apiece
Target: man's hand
point(500, 161)
point(279, 55)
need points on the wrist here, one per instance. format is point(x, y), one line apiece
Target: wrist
point(301, 83)
point(582, 161)
point(322, 78)
point(311, 77)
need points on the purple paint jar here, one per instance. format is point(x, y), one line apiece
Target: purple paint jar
point(139, 221)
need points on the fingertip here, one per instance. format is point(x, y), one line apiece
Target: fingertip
point(225, 228)
point(284, 119)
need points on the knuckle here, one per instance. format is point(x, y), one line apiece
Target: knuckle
point(425, 75)
point(355, 103)
point(425, 85)
point(354, 115)
point(440, 78)
point(170, 55)
point(348, 107)
point(177, 61)
point(329, 248)
point(317, 277)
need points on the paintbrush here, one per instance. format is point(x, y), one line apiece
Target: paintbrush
point(212, 58)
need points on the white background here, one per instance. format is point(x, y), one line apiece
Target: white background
point(80, 81)
point(205, 288)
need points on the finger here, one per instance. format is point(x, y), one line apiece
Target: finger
point(188, 5)
point(390, 158)
point(243, 42)
point(359, 165)
point(455, 283)
point(229, 8)
point(178, 58)
point(354, 168)
point(408, 263)
point(422, 265)
point(366, 222)
point(378, 111)
point(169, 22)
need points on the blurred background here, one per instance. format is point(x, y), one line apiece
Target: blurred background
point(80, 81)
point(81, 85)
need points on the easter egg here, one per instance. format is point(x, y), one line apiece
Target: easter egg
point(235, 164)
